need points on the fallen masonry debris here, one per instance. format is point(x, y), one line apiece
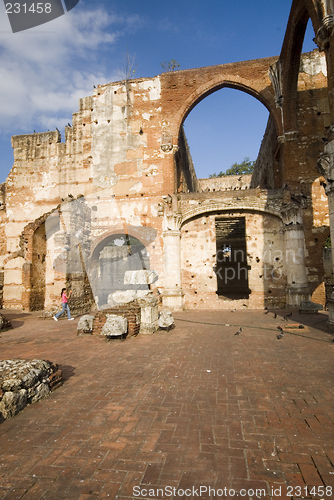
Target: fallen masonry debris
point(23, 382)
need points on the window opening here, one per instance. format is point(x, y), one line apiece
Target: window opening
point(231, 258)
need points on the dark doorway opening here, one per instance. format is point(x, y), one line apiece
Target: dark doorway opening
point(231, 252)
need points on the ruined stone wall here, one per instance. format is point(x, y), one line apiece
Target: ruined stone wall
point(266, 275)
point(225, 183)
point(305, 144)
point(312, 119)
point(264, 242)
point(125, 151)
point(111, 151)
point(267, 165)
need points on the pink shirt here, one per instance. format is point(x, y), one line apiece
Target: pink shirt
point(64, 298)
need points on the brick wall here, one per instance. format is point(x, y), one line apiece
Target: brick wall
point(129, 311)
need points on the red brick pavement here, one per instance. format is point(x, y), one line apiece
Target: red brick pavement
point(194, 407)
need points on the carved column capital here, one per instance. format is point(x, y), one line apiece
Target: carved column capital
point(292, 214)
point(325, 166)
point(324, 33)
point(169, 210)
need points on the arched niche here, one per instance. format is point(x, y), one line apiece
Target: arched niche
point(112, 258)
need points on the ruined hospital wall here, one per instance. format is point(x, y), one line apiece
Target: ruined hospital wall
point(122, 146)
point(265, 263)
point(265, 259)
point(112, 149)
point(137, 217)
point(312, 119)
point(316, 223)
point(127, 139)
point(305, 144)
point(301, 149)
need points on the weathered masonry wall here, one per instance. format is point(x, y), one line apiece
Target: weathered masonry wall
point(265, 259)
point(124, 171)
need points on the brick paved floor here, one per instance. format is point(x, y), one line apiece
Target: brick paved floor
point(197, 406)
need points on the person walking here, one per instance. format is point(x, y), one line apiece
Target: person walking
point(64, 301)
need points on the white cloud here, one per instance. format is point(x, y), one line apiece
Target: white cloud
point(45, 70)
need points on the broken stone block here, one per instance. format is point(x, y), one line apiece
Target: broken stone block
point(114, 326)
point(85, 325)
point(13, 402)
point(166, 320)
point(140, 277)
point(121, 297)
point(30, 379)
point(40, 391)
point(148, 315)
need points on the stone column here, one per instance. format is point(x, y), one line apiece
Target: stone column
point(325, 167)
point(172, 294)
point(297, 290)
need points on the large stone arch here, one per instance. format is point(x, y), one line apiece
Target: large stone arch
point(301, 12)
point(264, 97)
point(181, 91)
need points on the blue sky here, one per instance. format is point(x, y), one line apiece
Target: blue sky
point(45, 70)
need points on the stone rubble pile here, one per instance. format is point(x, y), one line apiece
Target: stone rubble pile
point(5, 324)
point(23, 382)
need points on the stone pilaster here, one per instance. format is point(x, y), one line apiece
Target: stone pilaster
point(297, 290)
point(172, 294)
point(325, 166)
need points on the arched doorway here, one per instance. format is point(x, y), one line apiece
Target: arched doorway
point(113, 258)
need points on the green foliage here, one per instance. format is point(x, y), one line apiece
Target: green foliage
point(328, 243)
point(245, 167)
point(171, 65)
